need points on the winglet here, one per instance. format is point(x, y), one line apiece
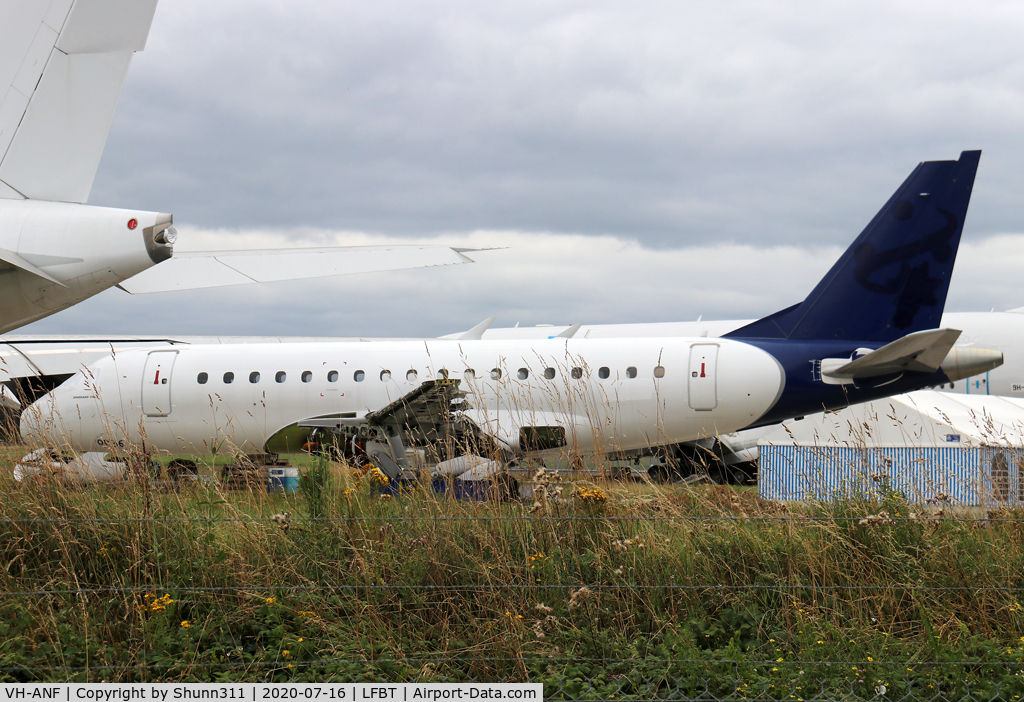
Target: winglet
point(476, 332)
point(570, 332)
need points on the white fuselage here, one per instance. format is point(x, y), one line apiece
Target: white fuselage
point(607, 394)
point(999, 331)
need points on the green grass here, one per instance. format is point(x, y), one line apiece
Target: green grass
point(657, 591)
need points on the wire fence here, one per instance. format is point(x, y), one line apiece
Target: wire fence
point(592, 604)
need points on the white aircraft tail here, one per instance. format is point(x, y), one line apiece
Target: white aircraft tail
point(62, 66)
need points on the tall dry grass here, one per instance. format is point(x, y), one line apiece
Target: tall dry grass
point(594, 588)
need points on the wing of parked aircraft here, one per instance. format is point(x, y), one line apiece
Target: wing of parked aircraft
point(208, 269)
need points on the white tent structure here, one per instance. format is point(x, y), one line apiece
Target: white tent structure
point(932, 447)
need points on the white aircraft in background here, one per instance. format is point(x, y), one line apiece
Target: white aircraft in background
point(868, 330)
point(62, 66)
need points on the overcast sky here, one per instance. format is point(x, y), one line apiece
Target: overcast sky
point(643, 161)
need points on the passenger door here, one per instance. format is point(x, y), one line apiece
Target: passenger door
point(156, 383)
point(703, 384)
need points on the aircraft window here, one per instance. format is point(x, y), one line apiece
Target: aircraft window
point(443, 373)
point(385, 375)
point(280, 377)
point(307, 376)
point(659, 371)
point(523, 374)
point(495, 374)
point(332, 376)
point(603, 373)
point(577, 373)
point(411, 376)
point(229, 378)
point(358, 376)
point(549, 373)
point(631, 372)
point(469, 374)
point(203, 377)
point(254, 377)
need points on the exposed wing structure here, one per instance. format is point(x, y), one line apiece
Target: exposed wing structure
point(423, 416)
point(206, 269)
point(62, 66)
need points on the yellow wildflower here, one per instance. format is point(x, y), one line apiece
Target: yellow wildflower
point(378, 476)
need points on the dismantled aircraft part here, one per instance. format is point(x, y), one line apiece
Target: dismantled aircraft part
point(472, 477)
point(468, 467)
point(431, 415)
point(89, 467)
point(390, 467)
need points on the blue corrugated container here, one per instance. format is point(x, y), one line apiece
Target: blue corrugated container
point(946, 459)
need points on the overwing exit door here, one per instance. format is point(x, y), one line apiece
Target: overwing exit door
point(156, 383)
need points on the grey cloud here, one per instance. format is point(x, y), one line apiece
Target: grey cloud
point(672, 123)
point(540, 279)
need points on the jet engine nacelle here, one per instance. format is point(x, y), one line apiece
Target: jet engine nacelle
point(55, 254)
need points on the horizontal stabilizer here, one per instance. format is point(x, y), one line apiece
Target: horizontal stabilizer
point(922, 351)
point(210, 269)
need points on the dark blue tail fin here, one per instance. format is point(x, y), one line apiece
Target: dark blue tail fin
point(893, 279)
